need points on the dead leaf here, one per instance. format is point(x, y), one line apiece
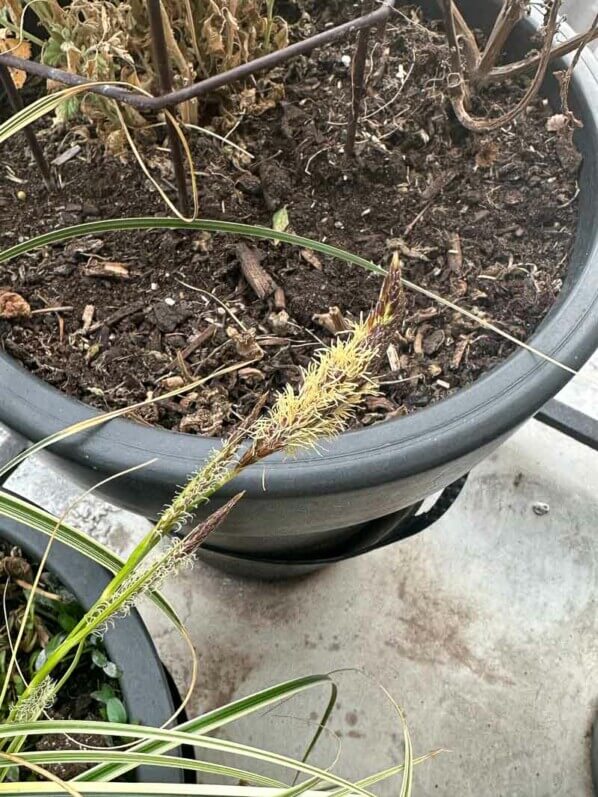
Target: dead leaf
point(433, 342)
point(311, 258)
point(279, 322)
point(106, 269)
point(18, 49)
point(12, 305)
point(558, 123)
point(245, 344)
point(251, 374)
point(394, 244)
point(487, 154)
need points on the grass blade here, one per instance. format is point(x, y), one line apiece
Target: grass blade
point(142, 759)
point(219, 717)
point(174, 738)
point(264, 233)
point(202, 225)
point(39, 520)
point(143, 790)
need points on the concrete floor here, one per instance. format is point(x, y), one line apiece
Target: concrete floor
point(484, 628)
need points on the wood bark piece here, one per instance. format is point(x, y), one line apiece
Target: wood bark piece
point(256, 275)
point(87, 318)
point(311, 258)
point(280, 300)
point(118, 316)
point(455, 253)
point(198, 340)
point(394, 360)
point(333, 321)
point(106, 269)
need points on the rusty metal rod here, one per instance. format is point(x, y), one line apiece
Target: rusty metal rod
point(162, 64)
point(16, 103)
point(212, 83)
point(358, 88)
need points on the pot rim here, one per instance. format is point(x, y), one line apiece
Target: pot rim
point(492, 407)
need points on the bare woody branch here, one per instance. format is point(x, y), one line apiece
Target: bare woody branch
point(460, 96)
point(566, 78)
point(465, 78)
point(531, 62)
point(509, 16)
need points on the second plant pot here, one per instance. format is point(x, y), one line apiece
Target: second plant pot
point(147, 692)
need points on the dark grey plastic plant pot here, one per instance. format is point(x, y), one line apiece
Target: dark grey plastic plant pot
point(146, 689)
point(295, 507)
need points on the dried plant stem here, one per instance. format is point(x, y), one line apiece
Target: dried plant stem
point(509, 16)
point(16, 103)
point(567, 77)
point(358, 89)
point(466, 36)
point(469, 74)
point(160, 56)
point(460, 87)
point(526, 65)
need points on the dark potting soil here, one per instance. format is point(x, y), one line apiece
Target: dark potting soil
point(54, 611)
point(486, 221)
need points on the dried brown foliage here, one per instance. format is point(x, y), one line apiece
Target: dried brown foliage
point(110, 40)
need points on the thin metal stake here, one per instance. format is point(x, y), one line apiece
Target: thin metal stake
point(358, 83)
point(160, 56)
point(16, 103)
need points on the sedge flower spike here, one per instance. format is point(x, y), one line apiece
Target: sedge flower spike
point(333, 388)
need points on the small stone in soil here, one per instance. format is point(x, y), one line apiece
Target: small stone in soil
point(540, 508)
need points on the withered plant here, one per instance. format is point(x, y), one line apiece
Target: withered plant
point(473, 67)
point(106, 40)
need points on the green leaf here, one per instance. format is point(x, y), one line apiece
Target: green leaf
point(173, 738)
point(104, 694)
point(67, 619)
point(52, 53)
point(111, 670)
point(115, 710)
point(280, 220)
point(19, 684)
point(99, 658)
